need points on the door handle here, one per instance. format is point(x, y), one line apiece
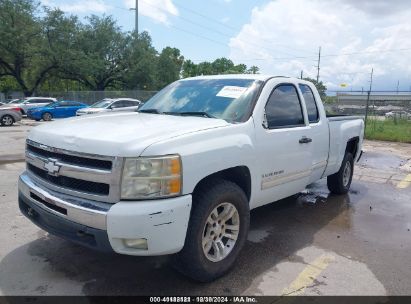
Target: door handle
point(305, 140)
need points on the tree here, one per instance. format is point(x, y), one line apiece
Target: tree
point(253, 70)
point(100, 51)
point(141, 58)
point(218, 66)
point(32, 48)
point(222, 65)
point(22, 47)
point(190, 69)
point(8, 84)
point(321, 88)
point(43, 49)
point(205, 68)
point(169, 66)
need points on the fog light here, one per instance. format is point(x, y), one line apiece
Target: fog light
point(136, 243)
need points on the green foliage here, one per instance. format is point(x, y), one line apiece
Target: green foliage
point(398, 130)
point(253, 70)
point(219, 66)
point(141, 62)
point(320, 87)
point(44, 49)
point(329, 99)
point(169, 66)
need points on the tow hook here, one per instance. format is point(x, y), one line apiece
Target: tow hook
point(30, 212)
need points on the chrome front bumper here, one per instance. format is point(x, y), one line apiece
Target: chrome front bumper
point(86, 212)
point(103, 226)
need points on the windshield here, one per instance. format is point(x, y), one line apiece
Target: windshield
point(102, 103)
point(228, 99)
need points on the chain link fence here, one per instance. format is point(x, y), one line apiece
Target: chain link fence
point(379, 103)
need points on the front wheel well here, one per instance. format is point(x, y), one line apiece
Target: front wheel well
point(239, 175)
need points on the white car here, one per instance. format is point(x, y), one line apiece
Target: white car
point(31, 102)
point(110, 105)
point(398, 114)
point(181, 175)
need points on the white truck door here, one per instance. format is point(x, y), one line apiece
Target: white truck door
point(283, 145)
point(318, 131)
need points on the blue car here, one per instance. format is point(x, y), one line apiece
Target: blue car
point(59, 109)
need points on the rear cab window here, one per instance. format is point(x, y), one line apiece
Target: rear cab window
point(310, 103)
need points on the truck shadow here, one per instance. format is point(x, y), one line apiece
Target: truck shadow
point(277, 232)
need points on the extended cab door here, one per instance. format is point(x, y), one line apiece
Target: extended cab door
point(282, 142)
point(318, 130)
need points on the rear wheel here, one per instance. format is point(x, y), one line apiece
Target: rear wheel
point(340, 182)
point(47, 116)
point(7, 120)
point(217, 231)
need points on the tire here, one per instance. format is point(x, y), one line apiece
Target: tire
point(340, 182)
point(192, 260)
point(7, 120)
point(47, 116)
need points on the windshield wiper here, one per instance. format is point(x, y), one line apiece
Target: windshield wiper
point(201, 114)
point(152, 111)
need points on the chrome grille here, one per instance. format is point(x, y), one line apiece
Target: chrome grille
point(83, 175)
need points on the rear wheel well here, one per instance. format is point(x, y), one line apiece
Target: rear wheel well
point(352, 146)
point(239, 175)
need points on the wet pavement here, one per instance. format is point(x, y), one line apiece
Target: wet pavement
point(312, 243)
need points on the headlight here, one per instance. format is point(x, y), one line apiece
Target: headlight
point(151, 177)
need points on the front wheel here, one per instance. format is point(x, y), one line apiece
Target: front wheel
point(217, 231)
point(47, 116)
point(7, 120)
point(340, 182)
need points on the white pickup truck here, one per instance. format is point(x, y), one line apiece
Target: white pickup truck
point(181, 175)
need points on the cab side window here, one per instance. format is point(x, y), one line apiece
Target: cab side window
point(283, 109)
point(310, 103)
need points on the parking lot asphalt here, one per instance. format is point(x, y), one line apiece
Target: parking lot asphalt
point(312, 243)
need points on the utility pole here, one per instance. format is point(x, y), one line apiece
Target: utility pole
point(368, 99)
point(301, 77)
point(136, 17)
point(318, 64)
point(398, 86)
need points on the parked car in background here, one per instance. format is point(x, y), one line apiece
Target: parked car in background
point(9, 115)
point(398, 115)
point(31, 102)
point(108, 105)
point(58, 109)
point(11, 100)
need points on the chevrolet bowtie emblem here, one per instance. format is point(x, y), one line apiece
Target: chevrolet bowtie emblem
point(52, 167)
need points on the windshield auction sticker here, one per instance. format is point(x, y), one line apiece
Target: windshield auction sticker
point(231, 92)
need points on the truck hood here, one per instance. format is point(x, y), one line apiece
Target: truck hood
point(118, 134)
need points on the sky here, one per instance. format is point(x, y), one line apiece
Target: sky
point(281, 37)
